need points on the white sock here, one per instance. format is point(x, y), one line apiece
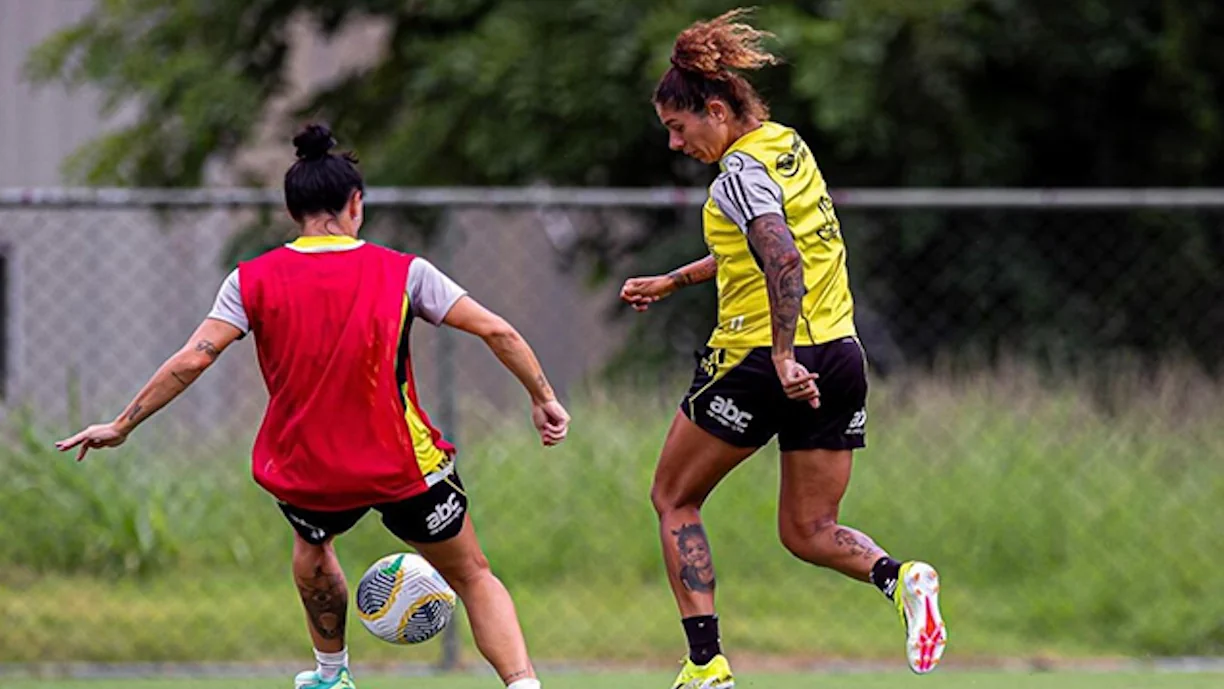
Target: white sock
point(330, 664)
point(531, 683)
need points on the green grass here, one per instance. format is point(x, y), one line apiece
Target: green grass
point(1061, 527)
point(950, 680)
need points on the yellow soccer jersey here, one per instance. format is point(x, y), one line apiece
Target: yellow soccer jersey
point(771, 170)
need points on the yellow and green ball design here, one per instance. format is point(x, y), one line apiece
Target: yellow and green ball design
point(402, 599)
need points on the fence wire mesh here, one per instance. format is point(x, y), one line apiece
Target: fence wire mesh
point(1046, 419)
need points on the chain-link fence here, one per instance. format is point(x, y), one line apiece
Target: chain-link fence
point(1046, 428)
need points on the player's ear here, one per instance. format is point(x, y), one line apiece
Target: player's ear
point(718, 110)
point(356, 208)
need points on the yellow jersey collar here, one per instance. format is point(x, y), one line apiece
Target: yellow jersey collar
point(739, 144)
point(320, 243)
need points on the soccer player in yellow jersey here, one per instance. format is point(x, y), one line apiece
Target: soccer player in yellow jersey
point(784, 358)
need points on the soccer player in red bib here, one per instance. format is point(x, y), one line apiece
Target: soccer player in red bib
point(344, 431)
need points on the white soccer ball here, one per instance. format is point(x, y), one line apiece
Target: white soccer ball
point(402, 599)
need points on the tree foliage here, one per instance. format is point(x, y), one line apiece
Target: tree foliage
point(887, 92)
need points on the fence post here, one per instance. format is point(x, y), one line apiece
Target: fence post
point(448, 416)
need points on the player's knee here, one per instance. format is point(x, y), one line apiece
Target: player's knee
point(665, 499)
point(307, 556)
point(467, 572)
point(660, 499)
point(668, 498)
point(802, 536)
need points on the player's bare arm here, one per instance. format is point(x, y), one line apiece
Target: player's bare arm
point(549, 417)
point(171, 379)
point(694, 273)
point(772, 241)
point(641, 292)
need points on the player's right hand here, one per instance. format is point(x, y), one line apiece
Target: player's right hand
point(100, 435)
point(551, 421)
point(640, 293)
point(797, 382)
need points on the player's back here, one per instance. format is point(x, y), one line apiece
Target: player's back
point(329, 331)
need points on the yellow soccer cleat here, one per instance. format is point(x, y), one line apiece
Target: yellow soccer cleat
point(715, 674)
point(918, 603)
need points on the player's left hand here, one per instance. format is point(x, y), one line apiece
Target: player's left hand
point(96, 436)
point(641, 292)
point(797, 382)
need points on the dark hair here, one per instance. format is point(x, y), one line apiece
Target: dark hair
point(704, 58)
point(320, 181)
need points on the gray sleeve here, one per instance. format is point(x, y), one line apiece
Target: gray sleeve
point(228, 306)
point(745, 191)
point(431, 293)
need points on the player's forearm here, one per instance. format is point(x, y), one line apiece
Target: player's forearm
point(694, 273)
point(785, 285)
point(783, 267)
point(174, 376)
point(516, 355)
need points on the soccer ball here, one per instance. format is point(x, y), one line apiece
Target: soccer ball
point(402, 599)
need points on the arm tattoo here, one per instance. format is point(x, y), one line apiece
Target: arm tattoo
point(542, 384)
point(696, 563)
point(775, 249)
point(182, 381)
point(326, 599)
point(858, 544)
point(207, 347)
point(695, 272)
point(131, 415)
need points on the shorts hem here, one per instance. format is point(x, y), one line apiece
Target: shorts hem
point(821, 445)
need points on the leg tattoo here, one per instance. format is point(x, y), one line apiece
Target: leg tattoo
point(856, 544)
point(697, 568)
point(326, 598)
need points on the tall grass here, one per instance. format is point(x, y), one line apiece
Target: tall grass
point(1064, 520)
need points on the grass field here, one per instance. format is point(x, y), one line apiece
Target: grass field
point(1061, 527)
point(950, 680)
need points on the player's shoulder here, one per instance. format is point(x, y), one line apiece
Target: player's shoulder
point(270, 256)
point(388, 254)
point(787, 155)
point(772, 149)
point(739, 162)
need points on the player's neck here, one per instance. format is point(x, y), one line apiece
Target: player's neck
point(328, 226)
point(739, 130)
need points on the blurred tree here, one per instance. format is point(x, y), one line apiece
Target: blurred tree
point(888, 92)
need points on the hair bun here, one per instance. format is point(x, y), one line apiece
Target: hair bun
point(313, 142)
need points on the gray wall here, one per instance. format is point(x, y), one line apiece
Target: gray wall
point(38, 126)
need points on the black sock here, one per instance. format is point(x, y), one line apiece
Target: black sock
point(884, 575)
point(702, 633)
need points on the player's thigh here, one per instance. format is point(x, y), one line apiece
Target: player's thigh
point(434, 516)
point(691, 464)
point(813, 483)
point(437, 525)
point(817, 443)
point(459, 558)
point(722, 420)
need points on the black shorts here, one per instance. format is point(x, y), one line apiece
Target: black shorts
point(736, 396)
point(431, 517)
